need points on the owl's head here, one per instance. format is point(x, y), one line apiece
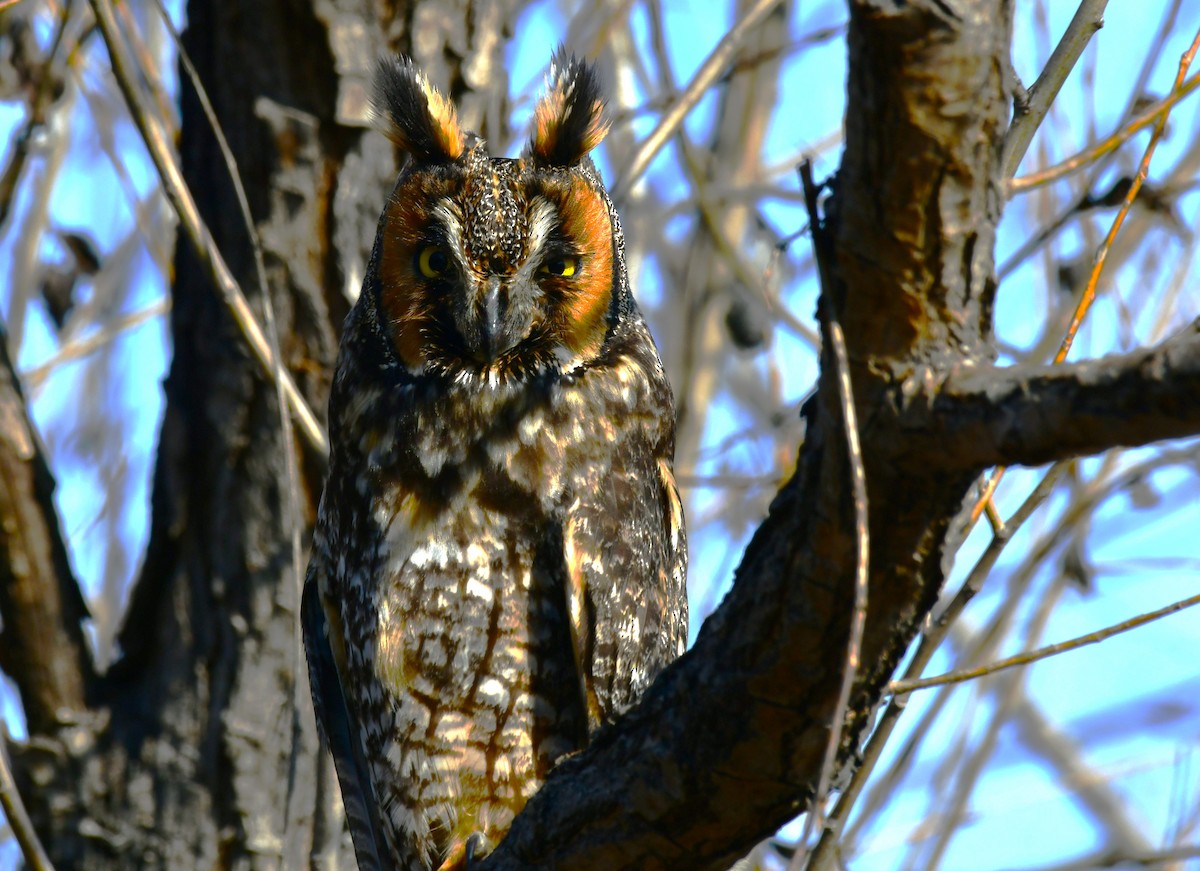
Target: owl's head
point(490, 266)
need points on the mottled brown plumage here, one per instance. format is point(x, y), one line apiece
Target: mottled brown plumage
point(498, 567)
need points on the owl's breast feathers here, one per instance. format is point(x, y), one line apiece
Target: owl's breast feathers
point(513, 555)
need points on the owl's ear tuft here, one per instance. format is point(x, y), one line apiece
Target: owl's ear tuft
point(569, 120)
point(415, 115)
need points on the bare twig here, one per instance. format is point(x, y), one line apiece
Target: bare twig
point(1106, 146)
point(33, 221)
point(712, 67)
point(181, 199)
point(36, 116)
point(747, 281)
point(1093, 791)
point(18, 818)
point(87, 345)
point(1088, 19)
point(1007, 691)
point(858, 476)
point(930, 642)
point(907, 686)
point(1117, 858)
point(1089, 292)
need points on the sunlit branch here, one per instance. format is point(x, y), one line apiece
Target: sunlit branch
point(713, 66)
point(1006, 691)
point(907, 686)
point(18, 818)
point(1089, 292)
point(1083, 306)
point(1109, 144)
point(181, 199)
point(1088, 19)
point(858, 480)
point(823, 855)
point(990, 416)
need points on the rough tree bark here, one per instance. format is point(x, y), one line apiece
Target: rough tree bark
point(197, 750)
point(728, 743)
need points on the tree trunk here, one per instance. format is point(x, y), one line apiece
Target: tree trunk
point(199, 749)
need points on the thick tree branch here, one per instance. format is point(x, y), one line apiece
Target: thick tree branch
point(985, 415)
point(728, 743)
point(42, 646)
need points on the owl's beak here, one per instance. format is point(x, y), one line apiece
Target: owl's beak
point(495, 330)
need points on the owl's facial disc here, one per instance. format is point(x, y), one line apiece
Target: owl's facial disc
point(497, 267)
point(490, 266)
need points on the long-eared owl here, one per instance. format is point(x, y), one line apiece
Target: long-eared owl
point(499, 560)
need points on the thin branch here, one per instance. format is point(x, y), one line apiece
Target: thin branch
point(18, 818)
point(907, 686)
point(1088, 19)
point(80, 348)
point(1100, 488)
point(984, 502)
point(206, 249)
point(714, 65)
point(1007, 690)
point(42, 96)
point(747, 281)
point(1093, 791)
point(858, 478)
point(1116, 858)
point(29, 227)
point(148, 68)
point(1089, 292)
point(1109, 144)
point(823, 855)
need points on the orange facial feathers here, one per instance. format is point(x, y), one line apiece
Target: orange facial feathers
point(585, 219)
point(403, 293)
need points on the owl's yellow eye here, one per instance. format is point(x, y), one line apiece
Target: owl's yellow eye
point(563, 267)
point(432, 261)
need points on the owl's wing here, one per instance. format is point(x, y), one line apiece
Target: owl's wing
point(323, 643)
point(626, 557)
